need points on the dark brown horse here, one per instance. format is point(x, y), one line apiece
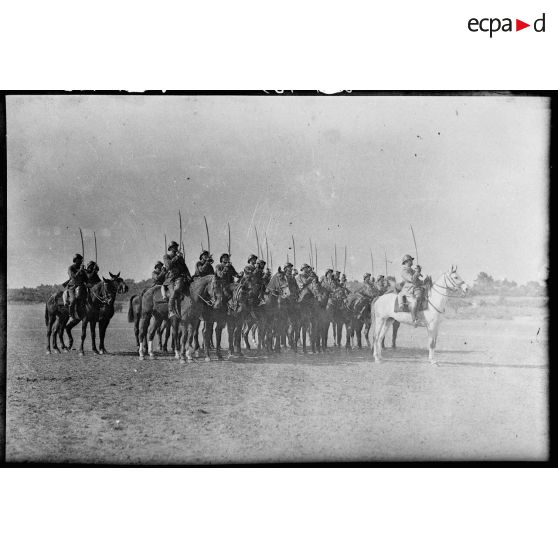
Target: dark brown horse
point(270, 316)
point(98, 308)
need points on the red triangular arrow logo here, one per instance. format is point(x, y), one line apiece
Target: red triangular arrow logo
point(519, 25)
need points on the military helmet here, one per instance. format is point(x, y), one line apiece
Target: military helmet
point(337, 273)
point(329, 270)
point(288, 264)
point(260, 262)
point(91, 264)
point(380, 277)
point(172, 245)
point(224, 256)
point(252, 257)
point(159, 264)
point(406, 258)
point(304, 266)
point(77, 257)
point(204, 253)
point(367, 275)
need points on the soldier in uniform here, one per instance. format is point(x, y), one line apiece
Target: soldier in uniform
point(327, 279)
point(381, 284)
point(158, 275)
point(178, 277)
point(337, 278)
point(251, 267)
point(292, 282)
point(76, 284)
point(204, 265)
point(225, 274)
point(304, 277)
point(91, 272)
point(367, 279)
point(411, 278)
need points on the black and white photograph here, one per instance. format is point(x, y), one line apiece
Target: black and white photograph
point(277, 278)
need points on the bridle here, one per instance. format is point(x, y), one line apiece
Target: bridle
point(453, 287)
point(106, 298)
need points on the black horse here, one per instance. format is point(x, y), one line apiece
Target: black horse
point(98, 307)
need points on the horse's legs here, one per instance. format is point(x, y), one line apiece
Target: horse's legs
point(68, 327)
point(357, 332)
point(245, 330)
point(219, 325)
point(153, 328)
point(93, 327)
point(137, 328)
point(103, 325)
point(395, 326)
point(379, 332)
point(51, 320)
point(207, 335)
point(167, 335)
point(432, 338)
point(83, 335)
point(366, 334)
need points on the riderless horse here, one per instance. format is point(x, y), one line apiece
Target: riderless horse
point(437, 296)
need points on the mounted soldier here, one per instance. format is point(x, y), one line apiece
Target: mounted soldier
point(411, 284)
point(381, 284)
point(158, 275)
point(91, 272)
point(368, 279)
point(225, 274)
point(327, 280)
point(337, 278)
point(304, 277)
point(76, 284)
point(251, 267)
point(178, 277)
point(291, 281)
point(204, 265)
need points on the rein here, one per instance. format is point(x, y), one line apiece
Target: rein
point(445, 286)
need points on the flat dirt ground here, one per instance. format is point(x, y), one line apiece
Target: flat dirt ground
point(486, 400)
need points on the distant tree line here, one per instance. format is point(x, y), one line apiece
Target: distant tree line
point(484, 284)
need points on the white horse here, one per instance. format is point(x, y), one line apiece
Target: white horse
point(384, 314)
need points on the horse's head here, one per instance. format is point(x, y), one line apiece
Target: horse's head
point(454, 281)
point(279, 285)
point(217, 293)
point(121, 287)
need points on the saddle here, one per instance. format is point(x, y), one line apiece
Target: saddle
point(421, 305)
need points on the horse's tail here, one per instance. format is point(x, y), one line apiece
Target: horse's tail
point(131, 309)
point(46, 314)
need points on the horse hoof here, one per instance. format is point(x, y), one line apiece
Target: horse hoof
point(207, 359)
point(96, 351)
point(182, 361)
point(152, 357)
point(57, 351)
point(81, 353)
point(48, 353)
point(434, 363)
point(141, 357)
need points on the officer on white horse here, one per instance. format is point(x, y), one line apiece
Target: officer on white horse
point(411, 281)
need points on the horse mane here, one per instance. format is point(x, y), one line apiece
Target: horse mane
point(275, 282)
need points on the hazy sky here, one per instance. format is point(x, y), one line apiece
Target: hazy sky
point(469, 173)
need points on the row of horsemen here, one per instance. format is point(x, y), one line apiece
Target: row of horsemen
point(174, 279)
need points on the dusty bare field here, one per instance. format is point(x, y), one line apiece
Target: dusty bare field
point(486, 400)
